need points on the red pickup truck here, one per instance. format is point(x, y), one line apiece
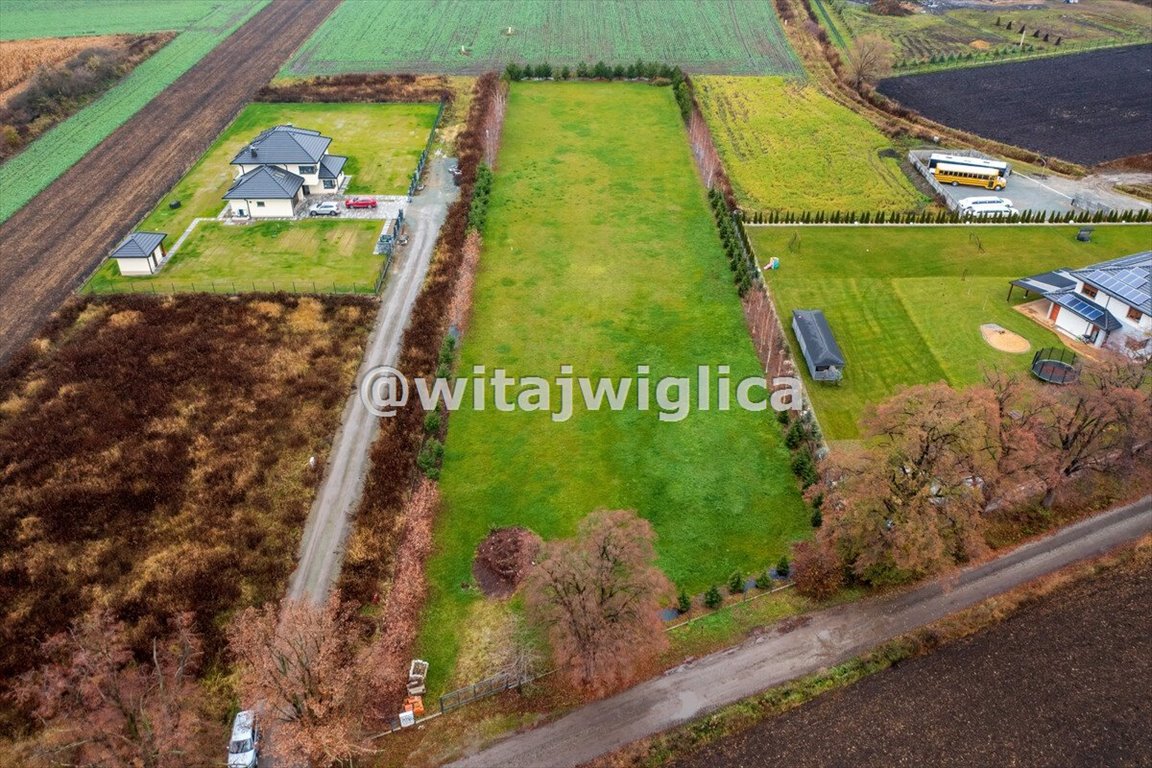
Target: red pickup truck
point(360, 202)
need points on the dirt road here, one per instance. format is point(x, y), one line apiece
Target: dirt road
point(829, 638)
point(1065, 681)
point(321, 549)
point(51, 244)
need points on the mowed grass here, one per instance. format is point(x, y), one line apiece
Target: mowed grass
point(381, 141)
point(906, 303)
point(600, 253)
point(310, 255)
point(837, 165)
point(474, 36)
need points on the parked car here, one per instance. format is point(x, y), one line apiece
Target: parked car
point(244, 748)
point(360, 202)
point(324, 209)
point(988, 211)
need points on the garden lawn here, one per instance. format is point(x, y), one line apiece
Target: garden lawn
point(381, 141)
point(787, 146)
point(600, 253)
point(310, 255)
point(906, 302)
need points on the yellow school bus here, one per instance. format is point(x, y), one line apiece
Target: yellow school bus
point(969, 175)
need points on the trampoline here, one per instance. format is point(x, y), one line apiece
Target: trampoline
point(1056, 365)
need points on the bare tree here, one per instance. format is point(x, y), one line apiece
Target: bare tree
point(1097, 425)
point(101, 707)
point(599, 595)
point(869, 60)
point(298, 660)
point(907, 506)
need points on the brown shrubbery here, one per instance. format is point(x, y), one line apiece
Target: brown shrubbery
point(370, 558)
point(366, 88)
point(58, 87)
point(154, 459)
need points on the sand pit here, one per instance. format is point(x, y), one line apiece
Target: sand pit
point(1003, 339)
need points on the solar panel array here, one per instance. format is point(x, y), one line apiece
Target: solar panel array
point(1089, 310)
point(1126, 281)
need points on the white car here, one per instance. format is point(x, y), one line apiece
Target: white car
point(244, 748)
point(324, 209)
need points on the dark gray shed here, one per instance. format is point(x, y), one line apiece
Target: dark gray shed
point(821, 352)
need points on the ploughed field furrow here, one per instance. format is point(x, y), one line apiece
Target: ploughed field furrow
point(47, 247)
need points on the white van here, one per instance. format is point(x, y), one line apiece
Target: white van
point(244, 748)
point(995, 210)
point(968, 202)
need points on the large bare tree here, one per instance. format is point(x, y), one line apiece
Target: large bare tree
point(869, 60)
point(100, 706)
point(298, 661)
point(599, 595)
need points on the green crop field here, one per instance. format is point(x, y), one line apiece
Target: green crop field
point(205, 24)
point(466, 36)
point(600, 253)
point(922, 37)
point(310, 255)
point(906, 303)
point(381, 141)
point(22, 19)
point(837, 166)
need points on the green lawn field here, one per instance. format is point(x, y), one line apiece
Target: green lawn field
point(837, 165)
point(310, 255)
point(600, 252)
point(474, 36)
point(906, 302)
point(381, 141)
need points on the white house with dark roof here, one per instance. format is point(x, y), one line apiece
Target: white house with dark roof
point(1105, 304)
point(279, 167)
point(141, 253)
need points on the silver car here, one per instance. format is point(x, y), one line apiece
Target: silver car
point(324, 209)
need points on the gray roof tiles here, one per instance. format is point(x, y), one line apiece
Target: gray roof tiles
point(265, 183)
point(284, 144)
point(138, 245)
point(819, 344)
point(331, 166)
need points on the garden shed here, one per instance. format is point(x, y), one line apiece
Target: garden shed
point(821, 352)
point(141, 253)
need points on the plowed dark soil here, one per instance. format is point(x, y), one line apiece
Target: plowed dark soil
point(1065, 682)
point(1088, 107)
point(47, 247)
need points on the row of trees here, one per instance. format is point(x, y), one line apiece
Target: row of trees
point(937, 217)
point(638, 70)
point(740, 258)
point(938, 461)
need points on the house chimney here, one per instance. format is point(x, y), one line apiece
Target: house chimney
point(253, 148)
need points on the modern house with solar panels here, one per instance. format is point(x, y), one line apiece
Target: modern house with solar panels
point(821, 352)
point(1105, 304)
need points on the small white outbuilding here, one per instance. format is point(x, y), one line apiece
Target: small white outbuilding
point(141, 253)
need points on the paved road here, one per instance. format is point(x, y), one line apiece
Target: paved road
point(1029, 192)
point(52, 243)
point(829, 638)
point(321, 549)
